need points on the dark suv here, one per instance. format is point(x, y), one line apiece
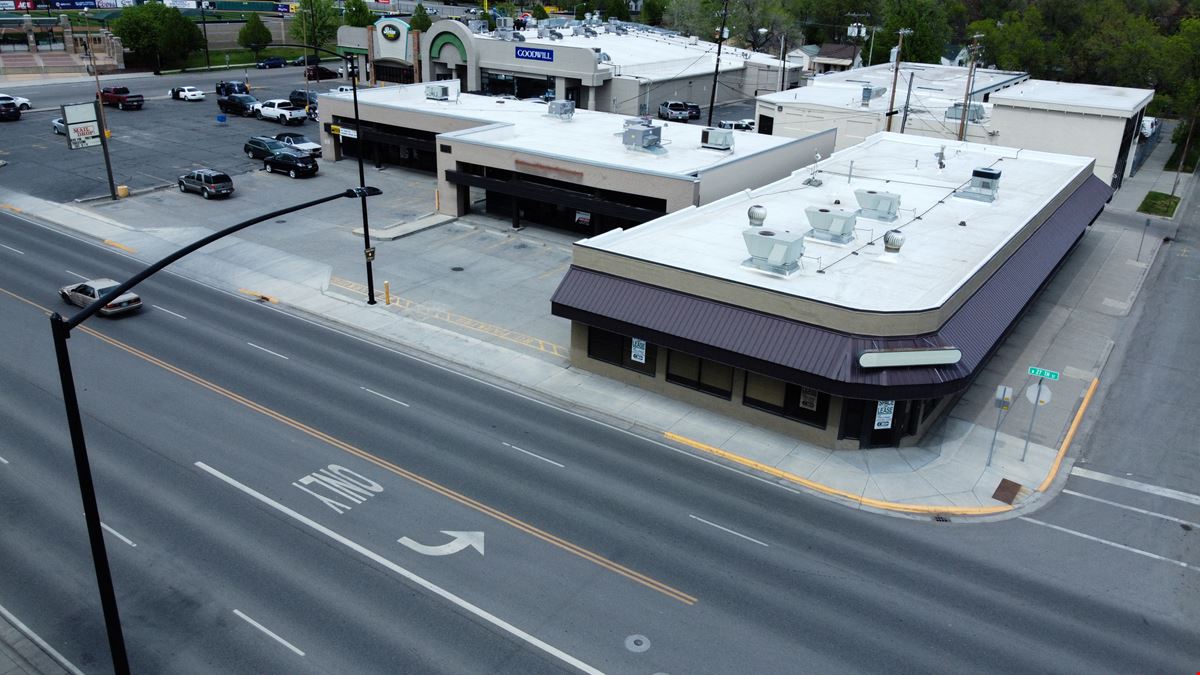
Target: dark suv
point(292, 162)
point(272, 62)
point(207, 182)
point(238, 104)
point(693, 110)
point(306, 60)
point(262, 147)
point(9, 111)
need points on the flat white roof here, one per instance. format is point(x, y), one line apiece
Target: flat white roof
point(937, 258)
point(935, 88)
point(1075, 97)
point(588, 137)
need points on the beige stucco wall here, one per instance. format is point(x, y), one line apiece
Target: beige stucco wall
point(763, 167)
point(1066, 133)
point(853, 127)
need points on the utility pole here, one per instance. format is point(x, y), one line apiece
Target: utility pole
point(712, 98)
point(856, 32)
point(1183, 158)
point(896, 75)
point(962, 123)
point(204, 23)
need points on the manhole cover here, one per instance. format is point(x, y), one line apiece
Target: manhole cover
point(637, 643)
point(456, 269)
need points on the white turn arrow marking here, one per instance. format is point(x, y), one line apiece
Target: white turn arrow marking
point(461, 540)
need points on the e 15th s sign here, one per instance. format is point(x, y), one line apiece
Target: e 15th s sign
point(532, 54)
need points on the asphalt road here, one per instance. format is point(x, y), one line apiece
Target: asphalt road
point(149, 147)
point(621, 552)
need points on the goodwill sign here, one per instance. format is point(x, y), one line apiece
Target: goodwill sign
point(532, 54)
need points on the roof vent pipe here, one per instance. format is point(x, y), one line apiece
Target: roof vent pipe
point(757, 215)
point(892, 241)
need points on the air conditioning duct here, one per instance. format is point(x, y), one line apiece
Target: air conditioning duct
point(975, 112)
point(877, 205)
point(773, 251)
point(716, 139)
point(642, 137)
point(437, 92)
point(985, 183)
point(564, 110)
point(833, 225)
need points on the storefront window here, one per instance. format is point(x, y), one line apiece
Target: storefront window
point(786, 399)
point(709, 377)
point(620, 350)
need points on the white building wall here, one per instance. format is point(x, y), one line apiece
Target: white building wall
point(1066, 133)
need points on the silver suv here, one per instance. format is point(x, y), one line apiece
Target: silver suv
point(673, 110)
point(207, 182)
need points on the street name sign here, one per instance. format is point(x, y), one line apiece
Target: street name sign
point(1042, 372)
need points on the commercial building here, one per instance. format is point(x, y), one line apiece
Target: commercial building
point(848, 304)
point(552, 164)
point(1005, 109)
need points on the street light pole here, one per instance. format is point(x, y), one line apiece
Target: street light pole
point(204, 23)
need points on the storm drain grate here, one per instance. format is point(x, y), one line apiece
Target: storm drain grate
point(941, 519)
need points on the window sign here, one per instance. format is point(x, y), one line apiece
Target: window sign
point(808, 398)
point(638, 351)
point(883, 414)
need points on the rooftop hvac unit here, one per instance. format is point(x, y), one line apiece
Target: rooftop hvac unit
point(517, 37)
point(504, 23)
point(543, 32)
point(877, 205)
point(576, 30)
point(642, 137)
point(834, 225)
point(555, 35)
point(975, 112)
point(869, 92)
point(437, 92)
point(564, 110)
point(477, 26)
point(985, 183)
point(717, 139)
point(773, 251)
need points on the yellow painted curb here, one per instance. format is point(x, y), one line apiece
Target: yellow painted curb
point(865, 501)
point(10, 207)
point(261, 297)
point(119, 245)
point(1062, 450)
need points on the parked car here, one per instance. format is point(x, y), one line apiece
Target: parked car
point(238, 104)
point(299, 142)
point(186, 94)
point(302, 99)
point(121, 97)
point(262, 147)
point(232, 87)
point(9, 111)
point(91, 290)
point(208, 182)
point(693, 110)
point(272, 62)
point(22, 102)
point(293, 162)
point(306, 60)
point(319, 73)
point(673, 110)
point(1150, 126)
point(60, 127)
point(280, 110)
point(740, 125)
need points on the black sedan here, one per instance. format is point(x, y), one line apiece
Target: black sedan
point(319, 73)
point(294, 163)
point(237, 104)
point(272, 62)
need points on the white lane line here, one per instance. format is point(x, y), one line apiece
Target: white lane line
point(76, 274)
point(267, 351)
point(726, 529)
point(3, 461)
point(264, 629)
point(1136, 485)
point(169, 312)
point(420, 581)
point(13, 249)
point(37, 640)
point(1173, 519)
point(534, 454)
point(389, 398)
point(118, 535)
point(1114, 544)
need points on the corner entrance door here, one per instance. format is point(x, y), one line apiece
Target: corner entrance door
point(858, 422)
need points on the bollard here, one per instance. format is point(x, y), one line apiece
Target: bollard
point(387, 294)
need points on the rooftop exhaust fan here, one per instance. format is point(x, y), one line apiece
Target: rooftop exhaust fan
point(985, 183)
point(775, 252)
point(563, 110)
point(716, 139)
point(877, 205)
point(832, 225)
point(437, 92)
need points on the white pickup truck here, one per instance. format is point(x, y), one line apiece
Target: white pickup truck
point(281, 110)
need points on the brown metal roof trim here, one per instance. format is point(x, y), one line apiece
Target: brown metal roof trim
point(821, 358)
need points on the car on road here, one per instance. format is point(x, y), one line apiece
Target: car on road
point(22, 102)
point(302, 99)
point(272, 62)
point(9, 111)
point(280, 110)
point(208, 182)
point(306, 60)
point(299, 142)
point(319, 73)
point(262, 147)
point(740, 125)
point(237, 104)
point(186, 94)
point(92, 290)
point(693, 110)
point(60, 127)
point(294, 163)
point(673, 110)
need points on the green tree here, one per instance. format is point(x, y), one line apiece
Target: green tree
point(254, 35)
point(316, 23)
point(616, 9)
point(824, 21)
point(926, 19)
point(420, 19)
point(582, 9)
point(1017, 41)
point(701, 18)
point(746, 17)
point(539, 12)
point(158, 34)
point(652, 12)
point(358, 14)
